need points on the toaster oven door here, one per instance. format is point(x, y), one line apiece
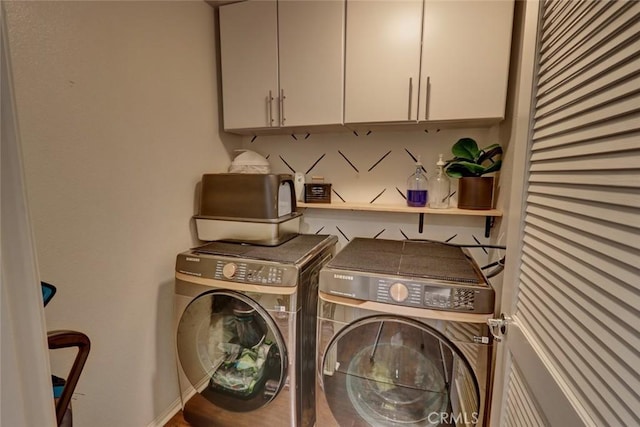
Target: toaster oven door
point(285, 198)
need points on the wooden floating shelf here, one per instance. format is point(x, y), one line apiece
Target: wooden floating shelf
point(398, 208)
point(489, 214)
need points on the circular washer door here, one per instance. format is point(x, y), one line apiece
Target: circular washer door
point(231, 351)
point(394, 371)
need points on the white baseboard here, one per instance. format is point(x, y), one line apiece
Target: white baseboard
point(164, 418)
point(173, 409)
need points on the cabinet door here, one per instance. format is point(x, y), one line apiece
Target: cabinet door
point(311, 44)
point(382, 60)
point(465, 59)
point(249, 50)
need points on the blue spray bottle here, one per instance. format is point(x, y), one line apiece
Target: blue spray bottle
point(417, 195)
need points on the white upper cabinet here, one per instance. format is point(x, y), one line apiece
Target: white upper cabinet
point(282, 63)
point(249, 52)
point(301, 63)
point(382, 60)
point(465, 59)
point(437, 60)
point(311, 42)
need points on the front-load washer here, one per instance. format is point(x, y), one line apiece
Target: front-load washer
point(402, 336)
point(246, 336)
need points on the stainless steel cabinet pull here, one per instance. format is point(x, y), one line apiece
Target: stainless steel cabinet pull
point(282, 98)
point(270, 109)
point(410, 96)
point(427, 96)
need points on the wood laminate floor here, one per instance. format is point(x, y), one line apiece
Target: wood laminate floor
point(177, 421)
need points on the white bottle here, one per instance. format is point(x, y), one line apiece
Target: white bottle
point(439, 188)
point(298, 184)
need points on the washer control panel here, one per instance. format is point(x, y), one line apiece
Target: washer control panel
point(240, 271)
point(249, 273)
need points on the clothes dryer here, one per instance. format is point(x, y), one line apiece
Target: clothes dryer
point(402, 336)
point(246, 331)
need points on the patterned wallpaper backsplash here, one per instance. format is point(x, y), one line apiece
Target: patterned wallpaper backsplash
point(373, 167)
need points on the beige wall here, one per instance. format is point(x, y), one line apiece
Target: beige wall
point(118, 111)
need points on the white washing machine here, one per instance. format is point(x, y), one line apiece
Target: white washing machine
point(246, 331)
point(402, 336)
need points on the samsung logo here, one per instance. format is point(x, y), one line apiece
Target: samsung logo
point(193, 259)
point(342, 276)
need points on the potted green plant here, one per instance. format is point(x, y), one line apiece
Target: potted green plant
point(470, 164)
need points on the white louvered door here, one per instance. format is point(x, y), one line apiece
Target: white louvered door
point(571, 354)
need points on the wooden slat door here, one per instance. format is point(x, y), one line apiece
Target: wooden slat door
point(570, 355)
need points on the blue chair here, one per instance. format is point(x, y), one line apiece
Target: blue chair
point(63, 388)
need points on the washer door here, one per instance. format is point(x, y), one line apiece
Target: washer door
point(393, 371)
point(231, 351)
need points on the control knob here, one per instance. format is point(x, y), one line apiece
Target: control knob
point(399, 292)
point(229, 270)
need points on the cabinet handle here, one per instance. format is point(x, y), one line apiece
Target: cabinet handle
point(270, 109)
point(282, 98)
point(427, 96)
point(410, 96)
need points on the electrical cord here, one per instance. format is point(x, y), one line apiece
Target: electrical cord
point(497, 270)
point(493, 264)
point(460, 245)
point(498, 264)
point(494, 272)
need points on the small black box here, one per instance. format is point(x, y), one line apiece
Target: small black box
point(317, 193)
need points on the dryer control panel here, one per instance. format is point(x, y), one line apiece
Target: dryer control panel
point(398, 292)
point(419, 293)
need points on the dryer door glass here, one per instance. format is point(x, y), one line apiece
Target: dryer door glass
point(392, 371)
point(232, 350)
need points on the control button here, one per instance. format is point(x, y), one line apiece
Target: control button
point(229, 270)
point(398, 292)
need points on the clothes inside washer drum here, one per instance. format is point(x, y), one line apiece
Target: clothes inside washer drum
point(242, 369)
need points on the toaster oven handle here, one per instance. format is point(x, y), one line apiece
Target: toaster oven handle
point(292, 189)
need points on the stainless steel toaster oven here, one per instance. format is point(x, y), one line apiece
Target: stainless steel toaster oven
point(251, 208)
